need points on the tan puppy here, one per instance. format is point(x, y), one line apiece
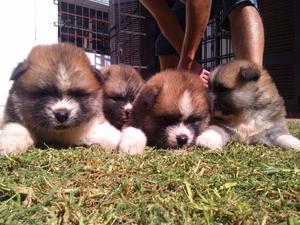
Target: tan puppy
point(170, 112)
point(56, 98)
point(122, 83)
point(248, 108)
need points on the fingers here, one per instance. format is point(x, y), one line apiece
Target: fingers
point(205, 77)
point(196, 68)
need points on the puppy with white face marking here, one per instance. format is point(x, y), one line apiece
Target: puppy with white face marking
point(122, 84)
point(56, 98)
point(248, 108)
point(171, 110)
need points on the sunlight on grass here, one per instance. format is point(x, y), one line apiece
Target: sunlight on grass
point(239, 185)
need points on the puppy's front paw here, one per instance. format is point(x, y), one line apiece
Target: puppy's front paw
point(14, 139)
point(104, 134)
point(206, 141)
point(111, 138)
point(213, 138)
point(287, 141)
point(133, 141)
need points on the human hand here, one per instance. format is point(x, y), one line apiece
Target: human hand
point(185, 64)
point(205, 77)
point(204, 74)
point(195, 67)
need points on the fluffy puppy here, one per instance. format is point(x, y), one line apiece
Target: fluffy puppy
point(248, 108)
point(56, 98)
point(171, 110)
point(121, 85)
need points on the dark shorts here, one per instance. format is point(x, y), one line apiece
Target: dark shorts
point(162, 45)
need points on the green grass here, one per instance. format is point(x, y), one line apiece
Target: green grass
point(239, 185)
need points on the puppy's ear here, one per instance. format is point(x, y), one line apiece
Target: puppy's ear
point(148, 96)
point(142, 103)
point(249, 74)
point(19, 70)
point(99, 76)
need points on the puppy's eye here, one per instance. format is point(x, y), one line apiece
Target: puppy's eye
point(169, 120)
point(221, 88)
point(193, 119)
point(40, 93)
point(46, 92)
point(78, 93)
point(117, 98)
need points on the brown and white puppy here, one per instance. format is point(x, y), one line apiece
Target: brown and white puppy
point(248, 108)
point(56, 98)
point(122, 84)
point(171, 110)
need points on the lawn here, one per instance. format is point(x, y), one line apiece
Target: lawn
point(239, 185)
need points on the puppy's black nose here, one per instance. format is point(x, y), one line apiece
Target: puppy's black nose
point(127, 112)
point(127, 109)
point(181, 139)
point(61, 115)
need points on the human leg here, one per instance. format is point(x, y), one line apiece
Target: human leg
point(247, 32)
point(168, 61)
point(167, 54)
